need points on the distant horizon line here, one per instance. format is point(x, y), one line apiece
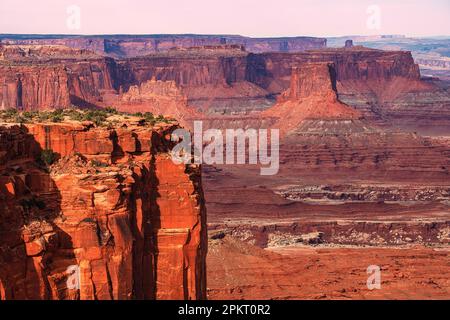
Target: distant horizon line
point(218, 34)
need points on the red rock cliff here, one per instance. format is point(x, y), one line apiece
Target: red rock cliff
point(33, 87)
point(49, 77)
point(129, 46)
point(272, 71)
point(114, 206)
point(312, 95)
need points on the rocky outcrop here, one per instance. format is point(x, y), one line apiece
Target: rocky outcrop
point(385, 86)
point(158, 97)
point(272, 70)
point(113, 213)
point(33, 87)
point(50, 77)
point(213, 79)
point(312, 95)
point(369, 233)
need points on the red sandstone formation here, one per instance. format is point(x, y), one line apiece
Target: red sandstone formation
point(213, 79)
point(378, 83)
point(114, 205)
point(128, 46)
point(50, 77)
point(272, 70)
point(311, 95)
point(158, 97)
point(33, 87)
point(224, 79)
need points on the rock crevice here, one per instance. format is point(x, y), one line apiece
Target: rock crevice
point(131, 226)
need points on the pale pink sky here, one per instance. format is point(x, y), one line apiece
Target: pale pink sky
point(245, 17)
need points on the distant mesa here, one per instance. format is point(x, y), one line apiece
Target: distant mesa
point(120, 46)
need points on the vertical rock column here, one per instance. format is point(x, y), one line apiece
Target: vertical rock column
point(180, 232)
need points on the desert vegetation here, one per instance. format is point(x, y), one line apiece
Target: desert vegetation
point(99, 117)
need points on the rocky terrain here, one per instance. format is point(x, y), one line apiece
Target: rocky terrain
point(351, 192)
point(105, 202)
point(384, 86)
point(242, 271)
point(363, 179)
point(51, 77)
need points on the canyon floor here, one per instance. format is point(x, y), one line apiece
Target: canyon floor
point(238, 270)
point(265, 246)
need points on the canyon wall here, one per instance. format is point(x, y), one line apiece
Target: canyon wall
point(129, 46)
point(33, 87)
point(212, 78)
point(158, 97)
point(272, 70)
point(210, 72)
point(112, 211)
point(51, 77)
point(311, 95)
point(385, 86)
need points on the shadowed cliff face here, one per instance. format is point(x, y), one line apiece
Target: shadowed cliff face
point(114, 206)
point(29, 236)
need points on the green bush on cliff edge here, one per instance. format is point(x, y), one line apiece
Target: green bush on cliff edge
point(48, 157)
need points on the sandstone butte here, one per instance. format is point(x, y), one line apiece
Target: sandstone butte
point(217, 80)
point(157, 97)
point(114, 204)
point(311, 96)
point(42, 77)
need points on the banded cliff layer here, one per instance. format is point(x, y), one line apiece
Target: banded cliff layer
point(342, 180)
point(311, 95)
point(384, 86)
point(51, 77)
point(113, 212)
point(128, 46)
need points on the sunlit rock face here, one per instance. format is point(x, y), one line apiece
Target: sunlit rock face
point(113, 207)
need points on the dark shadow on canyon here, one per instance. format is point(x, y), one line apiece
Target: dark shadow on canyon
point(35, 253)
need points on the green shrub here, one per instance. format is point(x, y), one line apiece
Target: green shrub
point(43, 116)
point(97, 163)
point(96, 116)
point(75, 115)
point(111, 110)
point(57, 118)
point(32, 203)
point(11, 113)
point(20, 119)
point(48, 157)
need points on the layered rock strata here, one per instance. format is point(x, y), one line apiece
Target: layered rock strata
point(128, 46)
point(312, 95)
point(52, 77)
point(385, 86)
point(112, 218)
